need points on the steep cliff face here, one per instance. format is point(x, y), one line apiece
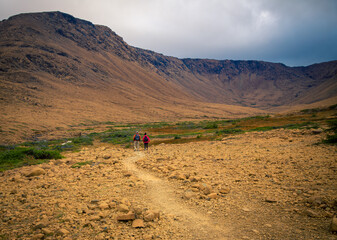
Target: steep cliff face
point(61, 69)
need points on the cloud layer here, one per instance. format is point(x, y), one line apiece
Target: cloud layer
point(298, 32)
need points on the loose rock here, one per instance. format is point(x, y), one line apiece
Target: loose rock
point(138, 223)
point(333, 225)
point(36, 172)
point(126, 217)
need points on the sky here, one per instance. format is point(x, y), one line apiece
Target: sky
point(293, 32)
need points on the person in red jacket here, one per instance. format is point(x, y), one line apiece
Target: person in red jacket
point(146, 141)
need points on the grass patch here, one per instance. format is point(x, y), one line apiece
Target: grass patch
point(262, 129)
point(116, 136)
point(211, 125)
point(19, 156)
point(229, 131)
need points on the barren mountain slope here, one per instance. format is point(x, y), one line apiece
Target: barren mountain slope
point(57, 70)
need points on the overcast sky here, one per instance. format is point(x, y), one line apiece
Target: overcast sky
point(293, 32)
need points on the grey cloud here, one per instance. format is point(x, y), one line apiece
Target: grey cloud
point(297, 32)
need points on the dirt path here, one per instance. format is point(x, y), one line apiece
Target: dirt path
point(193, 223)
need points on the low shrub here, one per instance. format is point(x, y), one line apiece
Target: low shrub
point(332, 138)
point(211, 125)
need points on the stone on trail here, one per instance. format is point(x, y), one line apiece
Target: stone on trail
point(333, 225)
point(126, 202)
point(151, 216)
point(35, 172)
point(205, 188)
point(138, 223)
point(38, 236)
point(103, 206)
point(212, 196)
point(311, 213)
point(94, 218)
point(270, 200)
point(224, 190)
point(126, 217)
point(41, 224)
point(189, 194)
point(94, 201)
point(123, 208)
point(62, 232)
point(47, 231)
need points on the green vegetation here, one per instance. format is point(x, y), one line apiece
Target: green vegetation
point(332, 138)
point(80, 164)
point(116, 136)
point(229, 131)
point(19, 156)
point(163, 132)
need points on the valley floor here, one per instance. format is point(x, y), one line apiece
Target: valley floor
point(278, 184)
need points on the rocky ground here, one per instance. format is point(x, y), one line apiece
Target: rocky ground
point(261, 185)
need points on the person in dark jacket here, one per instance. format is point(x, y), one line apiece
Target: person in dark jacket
point(136, 140)
point(146, 141)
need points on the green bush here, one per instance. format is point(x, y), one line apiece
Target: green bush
point(211, 125)
point(333, 127)
point(331, 139)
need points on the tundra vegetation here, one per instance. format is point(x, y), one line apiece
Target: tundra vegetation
point(30, 153)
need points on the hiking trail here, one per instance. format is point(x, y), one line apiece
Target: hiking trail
point(193, 223)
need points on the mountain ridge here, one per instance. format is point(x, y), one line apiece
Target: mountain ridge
point(57, 70)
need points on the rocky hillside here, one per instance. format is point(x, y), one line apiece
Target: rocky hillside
point(205, 190)
point(57, 70)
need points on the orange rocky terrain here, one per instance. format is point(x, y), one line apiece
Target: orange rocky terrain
point(278, 184)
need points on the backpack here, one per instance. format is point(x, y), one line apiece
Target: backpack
point(146, 138)
point(137, 137)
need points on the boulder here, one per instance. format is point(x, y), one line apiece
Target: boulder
point(189, 195)
point(333, 225)
point(224, 190)
point(62, 232)
point(212, 196)
point(123, 208)
point(35, 172)
point(41, 224)
point(103, 206)
point(126, 217)
point(38, 236)
point(138, 223)
point(47, 231)
point(205, 188)
point(151, 216)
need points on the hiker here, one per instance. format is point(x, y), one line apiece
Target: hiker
point(146, 141)
point(136, 140)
